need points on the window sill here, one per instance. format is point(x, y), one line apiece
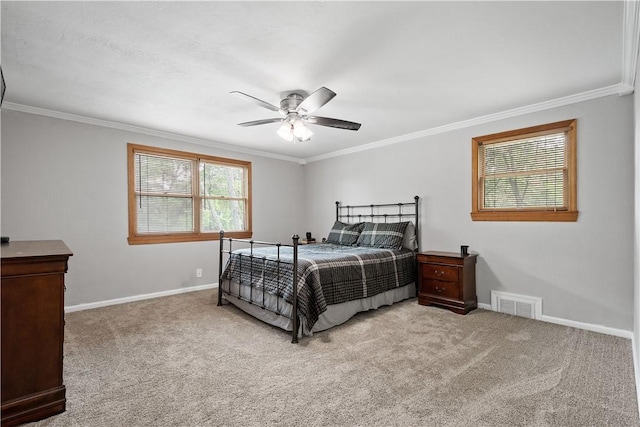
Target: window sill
point(566, 216)
point(178, 238)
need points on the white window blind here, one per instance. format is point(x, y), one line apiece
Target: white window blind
point(164, 194)
point(526, 173)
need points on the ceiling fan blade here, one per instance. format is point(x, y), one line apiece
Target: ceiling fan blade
point(316, 100)
point(334, 123)
point(260, 102)
point(260, 122)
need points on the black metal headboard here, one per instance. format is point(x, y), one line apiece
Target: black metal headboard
point(396, 212)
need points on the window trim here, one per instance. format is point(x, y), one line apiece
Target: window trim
point(135, 238)
point(529, 214)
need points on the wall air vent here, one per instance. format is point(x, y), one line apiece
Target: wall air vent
point(518, 305)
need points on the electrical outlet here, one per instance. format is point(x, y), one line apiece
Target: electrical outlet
point(198, 272)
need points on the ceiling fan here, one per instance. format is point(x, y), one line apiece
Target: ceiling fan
point(294, 110)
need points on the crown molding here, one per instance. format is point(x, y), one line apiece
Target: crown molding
point(146, 131)
point(630, 40)
point(618, 89)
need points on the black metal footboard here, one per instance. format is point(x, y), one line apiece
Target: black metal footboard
point(261, 291)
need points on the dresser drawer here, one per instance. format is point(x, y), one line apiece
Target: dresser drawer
point(440, 272)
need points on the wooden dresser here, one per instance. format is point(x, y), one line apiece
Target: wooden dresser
point(448, 280)
point(32, 329)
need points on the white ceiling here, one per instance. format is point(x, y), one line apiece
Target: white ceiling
point(399, 68)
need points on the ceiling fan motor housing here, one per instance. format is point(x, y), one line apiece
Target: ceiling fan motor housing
point(291, 102)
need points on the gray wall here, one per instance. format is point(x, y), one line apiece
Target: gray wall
point(67, 180)
point(582, 270)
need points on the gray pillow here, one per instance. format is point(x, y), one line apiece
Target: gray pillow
point(345, 234)
point(410, 241)
point(383, 235)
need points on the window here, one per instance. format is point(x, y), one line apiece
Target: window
point(176, 196)
point(526, 174)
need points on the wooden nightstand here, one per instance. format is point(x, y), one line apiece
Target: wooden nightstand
point(448, 280)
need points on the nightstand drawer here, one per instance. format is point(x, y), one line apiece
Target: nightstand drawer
point(440, 272)
point(442, 289)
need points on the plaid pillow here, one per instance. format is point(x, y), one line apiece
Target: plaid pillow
point(383, 235)
point(345, 234)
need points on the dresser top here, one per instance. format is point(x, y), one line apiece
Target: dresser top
point(33, 248)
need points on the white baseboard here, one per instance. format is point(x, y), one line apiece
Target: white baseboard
point(557, 320)
point(580, 325)
point(589, 327)
point(79, 307)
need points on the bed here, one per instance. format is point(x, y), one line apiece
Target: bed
point(367, 260)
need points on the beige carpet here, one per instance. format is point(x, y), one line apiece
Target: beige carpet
point(183, 361)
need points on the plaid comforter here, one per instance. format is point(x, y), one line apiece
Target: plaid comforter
point(327, 273)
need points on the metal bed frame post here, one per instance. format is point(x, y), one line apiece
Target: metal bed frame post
point(220, 268)
point(416, 198)
point(415, 259)
point(294, 315)
point(278, 292)
point(250, 272)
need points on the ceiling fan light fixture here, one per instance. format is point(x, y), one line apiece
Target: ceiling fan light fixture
point(286, 131)
point(300, 131)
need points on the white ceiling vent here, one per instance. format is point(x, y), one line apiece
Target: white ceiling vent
point(518, 305)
